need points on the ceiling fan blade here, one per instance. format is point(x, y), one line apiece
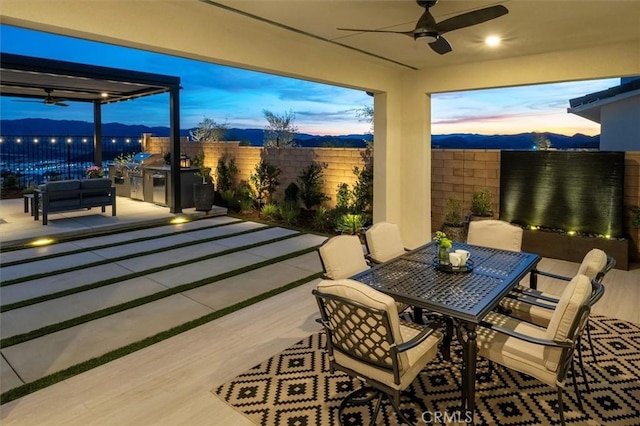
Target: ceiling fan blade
point(440, 46)
point(471, 18)
point(408, 33)
point(62, 104)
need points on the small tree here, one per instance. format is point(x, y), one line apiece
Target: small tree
point(344, 197)
point(226, 173)
point(541, 141)
point(265, 180)
point(208, 130)
point(203, 171)
point(453, 217)
point(366, 114)
point(482, 203)
point(363, 188)
point(281, 129)
point(291, 193)
point(311, 181)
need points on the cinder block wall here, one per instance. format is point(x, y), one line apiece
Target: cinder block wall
point(461, 172)
point(339, 161)
point(456, 173)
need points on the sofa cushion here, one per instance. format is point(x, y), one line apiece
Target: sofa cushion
point(61, 190)
point(62, 185)
point(101, 183)
point(97, 200)
point(68, 203)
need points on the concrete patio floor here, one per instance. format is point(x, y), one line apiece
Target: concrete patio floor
point(17, 227)
point(230, 261)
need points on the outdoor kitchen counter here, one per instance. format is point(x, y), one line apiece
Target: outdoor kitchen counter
point(157, 184)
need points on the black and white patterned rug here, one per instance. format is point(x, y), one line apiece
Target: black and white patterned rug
point(295, 387)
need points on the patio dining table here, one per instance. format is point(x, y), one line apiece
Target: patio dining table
point(466, 296)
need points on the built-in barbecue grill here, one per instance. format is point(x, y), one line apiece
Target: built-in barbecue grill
point(147, 178)
point(136, 172)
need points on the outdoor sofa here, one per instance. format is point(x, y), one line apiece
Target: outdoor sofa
point(73, 194)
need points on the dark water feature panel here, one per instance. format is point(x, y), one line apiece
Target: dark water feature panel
point(568, 190)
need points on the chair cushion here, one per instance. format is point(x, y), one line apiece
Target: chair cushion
point(384, 241)
point(575, 295)
point(527, 312)
point(416, 359)
point(411, 361)
point(495, 234)
point(342, 257)
point(593, 262)
point(514, 353)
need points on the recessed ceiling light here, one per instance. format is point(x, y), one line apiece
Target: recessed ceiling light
point(104, 94)
point(492, 40)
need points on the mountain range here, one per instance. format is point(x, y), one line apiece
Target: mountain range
point(522, 141)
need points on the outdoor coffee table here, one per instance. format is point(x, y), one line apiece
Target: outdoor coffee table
point(464, 296)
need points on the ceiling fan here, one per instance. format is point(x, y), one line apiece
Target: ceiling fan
point(48, 99)
point(427, 29)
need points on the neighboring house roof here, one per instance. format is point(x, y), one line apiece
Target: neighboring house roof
point(589, 106)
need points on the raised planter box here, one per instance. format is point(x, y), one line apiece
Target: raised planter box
point(573, 248)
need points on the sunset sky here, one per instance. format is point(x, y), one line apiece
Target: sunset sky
point(238, 97)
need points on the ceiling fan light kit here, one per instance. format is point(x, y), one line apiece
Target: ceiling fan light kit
point(430, 31)
point(48, 99)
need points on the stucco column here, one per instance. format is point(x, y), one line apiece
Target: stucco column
point(415, 177)
point(402, 163)
point(387, 204)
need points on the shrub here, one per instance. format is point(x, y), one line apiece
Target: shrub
point(344, 197)
point(291, 193)
point(363, 188)
point(10, 181)
point(246, 204)
point(482, 203)
point(270, 211)
point(453, 216)
point(203, 171)
point(265, 180)
point(311, 181)
point(635, 218)
point(320, 218)
point(94, 172)
point(226, 173)
point(289, 212)
point(350, 224)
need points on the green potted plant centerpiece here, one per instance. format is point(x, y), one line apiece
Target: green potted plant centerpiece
point(482, 205)
point(202, 191)
point(443, 244)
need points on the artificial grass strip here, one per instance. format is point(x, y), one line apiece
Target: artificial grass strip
point(59, 376)
point(283, 224)
point(39, 299)
point(100, 247)
point(128, 256)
